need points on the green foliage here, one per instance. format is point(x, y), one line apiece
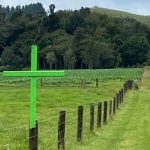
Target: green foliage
point(68, 39)
point(75, 77)
point(34, 9)
point(135, 50)
point(50, 57)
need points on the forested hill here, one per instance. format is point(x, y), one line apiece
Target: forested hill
point(122, 14)
point(71, 39)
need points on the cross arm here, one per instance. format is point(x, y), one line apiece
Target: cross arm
point(33, 73)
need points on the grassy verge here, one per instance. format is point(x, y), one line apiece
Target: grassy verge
point(129, 129)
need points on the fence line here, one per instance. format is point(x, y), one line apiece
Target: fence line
point(97, 115)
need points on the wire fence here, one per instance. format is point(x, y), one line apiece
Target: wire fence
point(67, 129)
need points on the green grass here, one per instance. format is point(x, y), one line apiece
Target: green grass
point(14, 116)
point(122, 14)
point(14, 110)
point(129, 129)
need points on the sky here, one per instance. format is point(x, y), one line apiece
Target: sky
point(134, 6)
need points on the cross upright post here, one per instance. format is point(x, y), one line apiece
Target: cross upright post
point(33, 87)
point(33, 74)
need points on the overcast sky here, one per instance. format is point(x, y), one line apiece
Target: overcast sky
point(134, 6)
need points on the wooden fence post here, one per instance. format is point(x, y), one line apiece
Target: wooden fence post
point(91, 117)
point(99, 114)
point(117, 98)
point(124, 88)
point(128, 85)
point(82, 82)
point(110, 108)
point(114, 105)
point(131, 84)
point(33, 138)
point(61, 130)
point(122, 95)
point(80, 123)
point(105, 112)
point(96, 82)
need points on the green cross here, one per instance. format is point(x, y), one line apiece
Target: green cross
point(33, 74)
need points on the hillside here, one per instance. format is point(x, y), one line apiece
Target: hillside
point(122, 14)
point(68, 39)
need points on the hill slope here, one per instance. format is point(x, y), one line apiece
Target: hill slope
point(117, 13)
point(73, 39)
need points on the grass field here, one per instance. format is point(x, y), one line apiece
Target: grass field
point(130, 128)
point(14, 115)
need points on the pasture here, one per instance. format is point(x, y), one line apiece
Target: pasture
point(56, 94)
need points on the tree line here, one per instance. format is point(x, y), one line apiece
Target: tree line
point(70, 39)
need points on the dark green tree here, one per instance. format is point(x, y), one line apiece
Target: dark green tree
point(135, 50)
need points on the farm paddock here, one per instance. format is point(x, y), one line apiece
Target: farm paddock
point(124, 130)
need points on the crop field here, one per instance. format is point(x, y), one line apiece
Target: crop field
point(75, 77)
point(14, 110)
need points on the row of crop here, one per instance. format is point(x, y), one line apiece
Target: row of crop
point(77, 77)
